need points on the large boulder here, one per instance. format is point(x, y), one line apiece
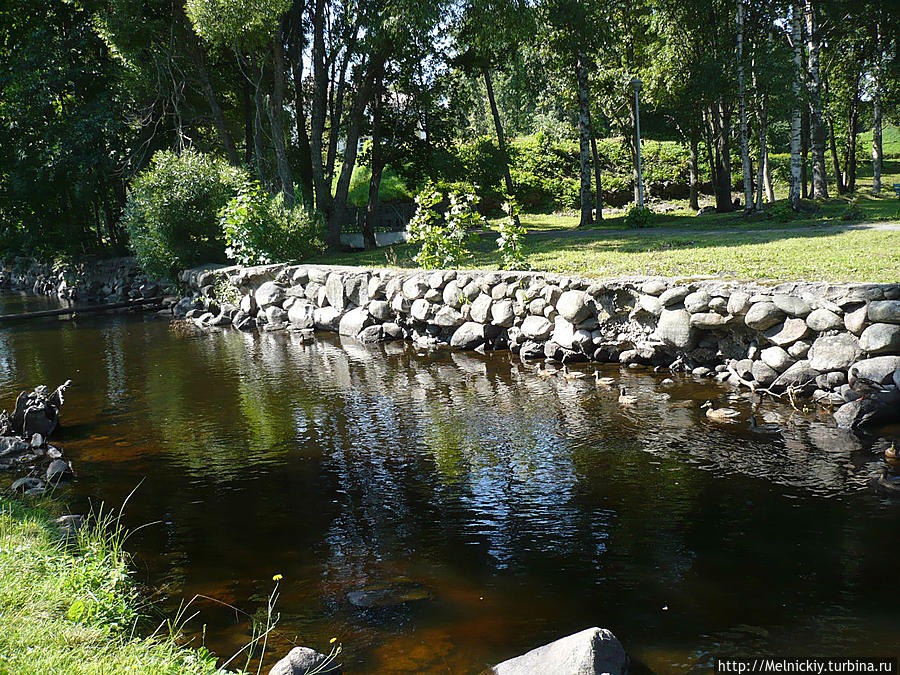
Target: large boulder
point(447, 317)
point(801, 374)
point(674, 328)
point(834, 352)
point(776, 358)
point(468, 336)
point(881, 338)
point(354, 321)
point(268, 294)
point(536, 328)
point(884, 311)
point(863, 412)
point(791, 305)
point(302, 315)
point(674, 295)
point(821, 320)
point(788, 333)
point(327, 318)
point(303, 660)
point(878, 369)
point(590, 652)
point(334, 291)
point(502, 313)
point(380, 309)
point(698, 301)
point(37, 412)
point(480, 310)
point(415, 287)
point(574, 306)
point(763, 315)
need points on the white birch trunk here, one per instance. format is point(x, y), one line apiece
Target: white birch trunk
point(746, 171)
point(877, 157)
point(817, 125)
point(796, 116)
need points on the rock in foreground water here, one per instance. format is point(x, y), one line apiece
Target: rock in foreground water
point(589, 652)
point(303, 660)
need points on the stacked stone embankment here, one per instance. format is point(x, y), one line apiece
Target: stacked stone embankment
point(88, 279)
point(838, 343)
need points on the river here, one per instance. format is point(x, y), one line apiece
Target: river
point(526, 508)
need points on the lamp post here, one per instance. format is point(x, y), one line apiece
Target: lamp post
point(636, 83)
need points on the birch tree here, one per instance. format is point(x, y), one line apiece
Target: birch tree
point(817, 127)
point(797, 50)
point(742, 111)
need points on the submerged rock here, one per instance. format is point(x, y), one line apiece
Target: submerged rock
point(389, 594)
point(589, 652)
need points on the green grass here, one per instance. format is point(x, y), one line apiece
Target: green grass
point(76, 612)
point(811, 254)
point(890, 140)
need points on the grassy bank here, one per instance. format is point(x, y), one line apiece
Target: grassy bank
point(72, 611)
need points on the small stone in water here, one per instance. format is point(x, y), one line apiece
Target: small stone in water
point(37, 441)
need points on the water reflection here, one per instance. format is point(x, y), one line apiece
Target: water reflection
point(529, 507)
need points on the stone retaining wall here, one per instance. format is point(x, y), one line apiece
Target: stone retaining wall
point(839, 343)
point(89, 279)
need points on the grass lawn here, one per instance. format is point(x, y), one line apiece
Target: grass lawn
point(73, 612)
point(780, 245)
point(812, 254)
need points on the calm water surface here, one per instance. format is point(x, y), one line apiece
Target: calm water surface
point(529, 508)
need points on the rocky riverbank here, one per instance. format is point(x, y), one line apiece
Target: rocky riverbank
point(24, 449)
point(836, 343)
point(88, 279)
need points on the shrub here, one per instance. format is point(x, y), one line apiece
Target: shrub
point(638, 216)
point(852, 210)
point(172, 212)
point(510, 240)
point(259, 228)
point(444, 238)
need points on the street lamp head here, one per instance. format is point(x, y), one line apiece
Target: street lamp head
point(636, 83)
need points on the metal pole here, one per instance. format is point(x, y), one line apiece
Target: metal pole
point(637, 119)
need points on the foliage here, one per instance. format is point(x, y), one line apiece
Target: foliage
point(638, 216)
point(172, 212)
point(512, 232)
point(227, 23)
point(259, 229)
point(852, 211)
point(63, 132)
point(444, 238)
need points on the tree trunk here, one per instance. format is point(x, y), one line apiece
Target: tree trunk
point(337, 110)
point(377, 169)
point(877, 75)
point(835, 159)
point(598, 184)
point(852, 132)
point(218, 117)
point(295, 56)
point(722, 130)
point(338, 213)
point(498, 129)
point(259, 150)
point(804, 152)
point(276, 118)
point(320, 96)
point(248, 123)
point(816, 126)
point(584, 139)
point(695, 179)
point(763, 180)
point(746, 170)
point(794, 193)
